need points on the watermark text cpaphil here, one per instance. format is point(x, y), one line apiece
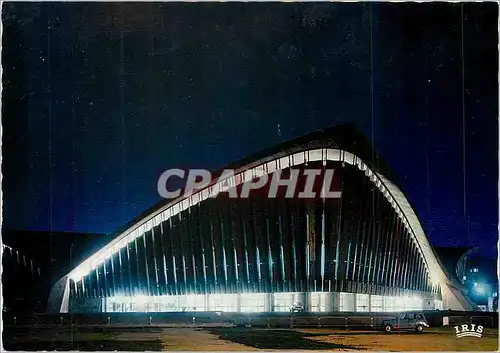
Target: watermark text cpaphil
point(288, 183)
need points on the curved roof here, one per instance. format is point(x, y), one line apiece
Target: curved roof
point(340, 143)
point(451, 256)
point(346, 137)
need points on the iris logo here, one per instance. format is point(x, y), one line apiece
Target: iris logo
point(463, 331)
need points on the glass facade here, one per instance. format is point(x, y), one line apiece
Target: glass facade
point(347, 302)
point(201, 253)
point(264, 302)
point(362, 302)
point(319, 302)
point(376, 303)
point(283, 301)
point(223, 302)
point(254, 302)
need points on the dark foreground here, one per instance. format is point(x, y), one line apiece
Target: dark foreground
point(237, 338)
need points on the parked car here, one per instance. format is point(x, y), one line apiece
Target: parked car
point(297, 307)
point(406, 321)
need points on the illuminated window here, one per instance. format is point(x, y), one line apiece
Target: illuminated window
point(223, 302)
point(347, 302)
point(253, 302)
point(318, 301)
point(167, 303)
point(402, 303)
point(194, 303)
point(362, 302)
point(377, 303)
point(391, 304)
point(283, 301)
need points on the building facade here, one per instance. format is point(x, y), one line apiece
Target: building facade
point(362, 251)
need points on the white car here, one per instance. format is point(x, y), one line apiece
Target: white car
point(297, 307)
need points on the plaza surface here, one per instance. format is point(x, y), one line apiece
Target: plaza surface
point(239, 339)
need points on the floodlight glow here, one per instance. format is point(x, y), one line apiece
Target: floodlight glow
point(120, 299)
point(479, 289)
point(78, 275)
point(386, 187)
point(141, 299)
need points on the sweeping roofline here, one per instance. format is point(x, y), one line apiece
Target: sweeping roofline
point(283, 160)
point(343, 136)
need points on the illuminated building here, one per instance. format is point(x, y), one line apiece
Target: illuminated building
point(364, 251)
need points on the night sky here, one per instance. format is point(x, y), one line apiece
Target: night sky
point(100, 98)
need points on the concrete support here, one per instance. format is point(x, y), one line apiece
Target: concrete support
point(59, 297)
point(456, 299)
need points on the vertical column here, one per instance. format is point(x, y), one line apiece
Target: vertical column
point(222, 245)
point(374, 235)
point(323, 244)
point(413, 268)
point(155, 261)
point(269, 302)
point(310, 245)
point(105, 279)
point(421, 274)
point(405, 257)
point(387, 252)
point(98, 284)
point(146, 267)
point(215, 281)
point(208, 301)
point(379, 249)
point(362, 247)
point(135, 263)
point(248, 279)
point(331, 301)
point(396, 273)
point(283, 282)
point(357, 244)
point(113, 278)
point(165, 282)
point(238, 302)
point(336, 301)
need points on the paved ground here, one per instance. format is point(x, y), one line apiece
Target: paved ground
point(442, 339)
point(240, 339)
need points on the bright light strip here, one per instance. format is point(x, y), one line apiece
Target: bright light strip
point(394, 196)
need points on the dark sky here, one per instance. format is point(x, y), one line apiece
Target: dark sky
point(100, 98)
